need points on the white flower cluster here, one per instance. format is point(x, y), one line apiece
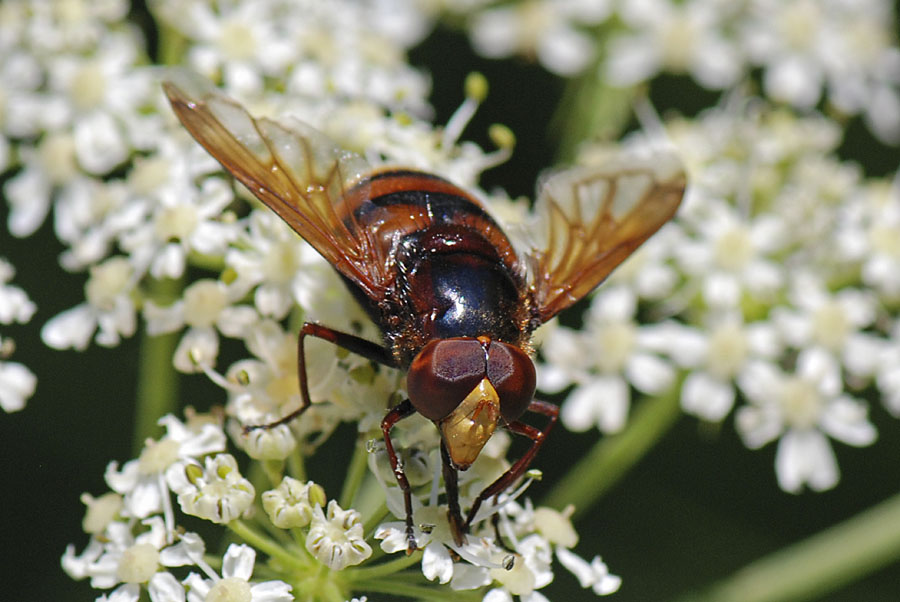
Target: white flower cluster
point(17, 382)
point(88, 139)
point(843, 50)
point(510, 547)
point(137, 542)
point(774, 289)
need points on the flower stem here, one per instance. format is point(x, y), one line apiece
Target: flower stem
point(171, 45)
point(611, 457)
point(157, 384)
point(264, 544)
point(384, 568)
point(809, 569)
point(590, 110)
point(418, 592)
point(355, 474)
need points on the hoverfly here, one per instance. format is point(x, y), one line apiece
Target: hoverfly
point(455, 302)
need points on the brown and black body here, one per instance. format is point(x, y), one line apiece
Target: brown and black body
point(455, 303)
point(455, 272)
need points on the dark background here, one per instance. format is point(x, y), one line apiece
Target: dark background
point(697, 508)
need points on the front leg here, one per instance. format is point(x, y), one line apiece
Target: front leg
point(509, 477)
point(354, 344)
point(398, 413)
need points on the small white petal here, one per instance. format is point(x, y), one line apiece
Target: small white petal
point(649, 373)
point(70, 329)
point(164, 587)
point(239, 561)
point(707, 397)
point(17, 384)
point(805, 457)
point(436, 563)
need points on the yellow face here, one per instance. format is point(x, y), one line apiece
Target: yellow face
point(468, 427)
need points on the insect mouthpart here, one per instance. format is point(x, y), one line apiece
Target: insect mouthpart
point(469, 426)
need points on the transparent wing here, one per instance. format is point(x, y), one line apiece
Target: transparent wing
point(294, 169)
point(590, 219)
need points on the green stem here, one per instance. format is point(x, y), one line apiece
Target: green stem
point(171, 45)
point(417, 592)
point(296, 466)
point(157, 383)
point(385, 568)
point(611, 457)
point(355, 474)
point(590, 110)
point(818, 565)
point(262, 543)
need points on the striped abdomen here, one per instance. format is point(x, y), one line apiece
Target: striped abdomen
point(455, 272)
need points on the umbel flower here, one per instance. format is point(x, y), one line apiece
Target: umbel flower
point(769, 304)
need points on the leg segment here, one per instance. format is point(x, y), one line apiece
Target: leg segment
point(354, 344)
point(451, 485)
point(398, 413)
point(509, 477)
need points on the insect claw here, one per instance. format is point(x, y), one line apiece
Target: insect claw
point(413, 546)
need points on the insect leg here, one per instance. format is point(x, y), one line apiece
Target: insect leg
point(398, 413)
point(354, 344)
point(537, 437)
point(451, 485)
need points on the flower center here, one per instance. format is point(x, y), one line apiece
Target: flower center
point(801, 403)
point(678, 41)
point(830, 325)
point(203, 302)
point(88, 87)
point(237, 41)
point(734, 249)
point(108, 280)
point(175, 223)
point(727, 351)
point(138, 563)
point(616, 341)
point(158, 456)
point(57, 157)
point(799, 23)
point(230, 589)
point(281, 262)
point(149, 174)
point(886, 240)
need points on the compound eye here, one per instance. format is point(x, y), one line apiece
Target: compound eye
point(443, 374)
point(511, 372)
